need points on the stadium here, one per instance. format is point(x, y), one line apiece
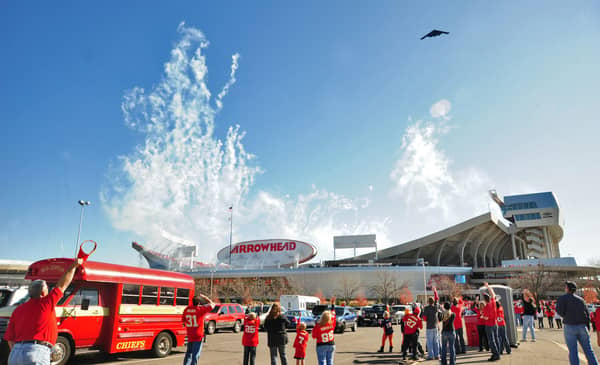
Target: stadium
point(519, 234)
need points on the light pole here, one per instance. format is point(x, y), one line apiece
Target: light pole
point(230, 230)
point(421, 261)
point(83, 203)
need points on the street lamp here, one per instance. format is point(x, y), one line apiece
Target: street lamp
point(83, 203)
point(421, 261)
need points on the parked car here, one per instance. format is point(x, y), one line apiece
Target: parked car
point(224, 316)
point(363, 316)
point(398, 312)
point(345, 317)
point(373, 315)
point(261, 311)
point(304, 316)
point(319, 309)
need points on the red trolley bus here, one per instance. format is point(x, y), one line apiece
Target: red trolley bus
point(115, 308)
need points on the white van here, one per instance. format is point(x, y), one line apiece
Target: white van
point(299, 302)
point(11, 295)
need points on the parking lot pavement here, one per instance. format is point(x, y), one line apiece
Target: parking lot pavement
point(351, 348)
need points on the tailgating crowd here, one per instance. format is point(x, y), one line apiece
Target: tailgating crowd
point(32, 330)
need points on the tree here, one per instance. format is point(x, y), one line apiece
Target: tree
point(538, 281)
point(360, 299)
point(450, 287)
point(590, 295)
point(347, 289)
point(405, 296)
point(386, 287)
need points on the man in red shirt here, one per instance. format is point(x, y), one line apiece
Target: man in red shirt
point(457, 309)
point(32, 330)
point(502, 337)
point(490, 317)
point(193, 320)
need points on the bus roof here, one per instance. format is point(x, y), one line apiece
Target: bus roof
point(53, 269)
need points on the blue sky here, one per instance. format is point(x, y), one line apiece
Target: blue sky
point(348, 123)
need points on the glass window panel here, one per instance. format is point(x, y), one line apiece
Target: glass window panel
point(183, 296)
point(167, 296)
point(149, 295)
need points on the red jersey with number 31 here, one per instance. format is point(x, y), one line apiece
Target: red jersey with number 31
point(193, 320)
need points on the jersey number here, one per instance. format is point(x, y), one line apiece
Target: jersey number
point(327, 336)
point(191, 321)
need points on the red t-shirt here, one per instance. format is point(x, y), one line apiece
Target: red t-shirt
point(457, 310)
point(323, 334)
point(193, 320)
point(500, 316)
point(300, 344)
point(411, 323)
point(489, 313)
point(597, 317)
point(35, 319)
point(519, 309)
point(250, 337)
point(480, 320)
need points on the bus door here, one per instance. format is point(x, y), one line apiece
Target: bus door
point(83, 315)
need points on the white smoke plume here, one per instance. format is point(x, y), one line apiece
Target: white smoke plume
point(424, 176)
point(182, 178)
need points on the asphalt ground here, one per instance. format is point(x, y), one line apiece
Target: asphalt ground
point(351, 348)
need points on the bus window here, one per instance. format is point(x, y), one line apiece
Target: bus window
point(183, 296)
point(150, 295)
point(66, 294)
point(166, 296)
point(89, 293)
point(131, 294)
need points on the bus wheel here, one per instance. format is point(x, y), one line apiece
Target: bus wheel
point(211, 327)
point(162, 345)
point(237, 326)
point(61, 352)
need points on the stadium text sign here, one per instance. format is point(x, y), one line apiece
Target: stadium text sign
point(267, 253)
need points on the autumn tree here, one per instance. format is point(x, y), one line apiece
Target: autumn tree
point(405, 295)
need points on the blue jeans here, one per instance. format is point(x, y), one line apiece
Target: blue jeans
point(448, 338)
point(325, 354)
point(578, 333)
point(528, 324)
point(29, 354)
point(433, 342)
point(273, 351)
point(492, 337)
point(192, 354)
point(503, 340)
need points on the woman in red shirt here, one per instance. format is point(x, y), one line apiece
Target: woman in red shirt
point(323, 333)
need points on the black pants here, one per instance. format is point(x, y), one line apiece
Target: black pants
point(483, 342)
point(541, 322)
point(551, 322)
point(558, 323)
point(410, 343)
point(249, 355)
point(459, 344)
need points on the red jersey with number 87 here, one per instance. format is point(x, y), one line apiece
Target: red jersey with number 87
point(323, 334)
point(193, 320)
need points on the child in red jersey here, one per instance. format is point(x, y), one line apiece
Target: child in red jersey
point(300, 343)
point(411, 323)
point(388, 332)
point(323, 334)
point(250, 338)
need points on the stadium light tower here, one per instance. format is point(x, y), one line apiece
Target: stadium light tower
point(83, 203)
